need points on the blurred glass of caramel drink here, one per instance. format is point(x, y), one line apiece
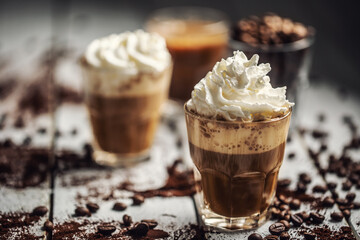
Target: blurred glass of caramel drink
point(196, 38)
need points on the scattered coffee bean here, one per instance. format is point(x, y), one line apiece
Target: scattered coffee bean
point(305, 178)
point(304, 215)
point(323, 147)
point(350, 196)
point(73, 132)
point(331, 185)
point(346, 213)
point(328, 202)
point(336, 216)
point(271, 237)
point(93, 207)
point(295, 204)
point(284, 183)
point(19, 122)
point(296, 220)
point(119, 206)
point(356, 205)
point(150, 222)
point(277, 228)
point(284, 199)
point(341, 172)
point(284, 207)
point(291, 155)
point(275, 213)
point(319, 189)
point(301, 187)
point(255, 236)
point(40, 211)
point(286, 224)
point(284, 236)
point(27, 140)
point(81, 211)
point(127, 220)
point(139, 229)
point(48, 225)
point(342, 201)
point(316, 218)
point(138, 199)
point(42, 130)
point(106, 230)
point(310, 236)
point(346, 186)
point(354, 178)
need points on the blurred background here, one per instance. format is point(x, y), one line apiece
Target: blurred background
point(26, 26)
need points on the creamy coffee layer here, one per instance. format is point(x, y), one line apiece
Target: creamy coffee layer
point(112, 83)
point(236, 137)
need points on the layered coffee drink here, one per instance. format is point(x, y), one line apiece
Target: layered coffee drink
point(127, 78)
point(196, 39)
point(237, 128)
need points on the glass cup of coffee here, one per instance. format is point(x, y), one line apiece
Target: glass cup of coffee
point(196, 37)
point(236, 168)
point(124, 101)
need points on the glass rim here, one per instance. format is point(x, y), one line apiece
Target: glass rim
point(198, 12)
point(286, 47)
point(199, 117)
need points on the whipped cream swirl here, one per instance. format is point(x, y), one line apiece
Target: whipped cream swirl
point(130, 53)
point(239, 89)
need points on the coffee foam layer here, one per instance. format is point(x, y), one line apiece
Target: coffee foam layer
point(113, 83)
point(237, 137)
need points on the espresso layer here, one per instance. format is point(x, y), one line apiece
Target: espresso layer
point(124, 125)
point(238, 185)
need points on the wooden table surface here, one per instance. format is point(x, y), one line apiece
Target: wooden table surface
point(64, 190)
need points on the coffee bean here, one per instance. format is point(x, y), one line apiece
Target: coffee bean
point(346, 213)
point(255, 236)
point(348, 206)
point(346, 186)
point(291, 155)
point(336, 216)
point(328, 202)
point(284, 236)
point(301, 187)
point(323, 147)
point(341, 172)
point(331, 185)
point(150, 222)
point(356, 205)
point(284, 207)
point(335, 195)
point(350, 196)
point(316, 218)
point(342, 201)
point(305, 178)
point(40, 211)
point(81, 211)
point(354, 178)
point(275, 213)
point(139, 229)
point(319, 189)
point(271, 237)
point(284, 199)
point(27, 140)
point(127, 220)
point(296, 220)
point(42, 130)
point(286, 217)
point(310, 236)
point(284, 183)
point(304, 215)
point(93, 207)
point(119, 206)
point(295, 204)
point(48, 225)
point(277, 228)
point(138, 199)
point(106, 230)
point(286, 224)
